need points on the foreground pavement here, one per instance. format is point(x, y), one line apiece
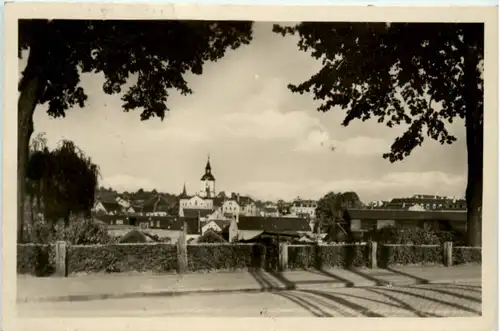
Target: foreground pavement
point(123, 286)
point(431, 300)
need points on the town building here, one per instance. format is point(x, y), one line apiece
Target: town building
point(371, 219)
point(304, 208)
point(207, 182)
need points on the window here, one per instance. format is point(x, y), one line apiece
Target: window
point(157, 224)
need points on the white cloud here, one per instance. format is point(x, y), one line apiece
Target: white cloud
point(127, 183)
point(320, 141)
point(395, 184)
point(269, 124)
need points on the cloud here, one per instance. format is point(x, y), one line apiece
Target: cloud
point(269, 124)
point(320, 141)
point(391, 185)
point(127, 183)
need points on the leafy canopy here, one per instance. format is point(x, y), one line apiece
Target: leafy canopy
point(399, 73)
point(156, 54)
point(64, 178)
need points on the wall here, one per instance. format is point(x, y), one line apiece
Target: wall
point(42, 260)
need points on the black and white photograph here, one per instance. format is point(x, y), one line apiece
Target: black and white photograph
point(234, 168)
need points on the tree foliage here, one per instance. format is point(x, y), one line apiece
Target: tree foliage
point(86, 232)
point(420, 75)
point(157, 53)
point(331, 208)
point(64, 179)
point(142, 60)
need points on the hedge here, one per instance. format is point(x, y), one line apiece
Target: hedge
point(36, 259)
point(463, 255)
point(321, 256)
point(206, 257)
point(409, 254)
point(157, 257)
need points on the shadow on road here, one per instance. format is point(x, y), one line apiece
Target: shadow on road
point(309, 299)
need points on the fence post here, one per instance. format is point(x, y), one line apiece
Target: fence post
point(61, 270)
point(182, 259)
point(283, 257)
point(372, 250)
point(448, 253)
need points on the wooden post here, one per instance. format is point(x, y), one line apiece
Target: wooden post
point(372, 249)
point(448, 253)
point(61, 270)
point(283, 262)
point(182, 259)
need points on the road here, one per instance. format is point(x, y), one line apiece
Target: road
point(439, 300)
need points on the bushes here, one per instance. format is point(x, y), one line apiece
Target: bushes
point(396, 236)
point(37, 260)
point(463, 255)
point(325, 256)
point(225, 256)
point(86, 232)
point(301, 257)
point(397, 254)
point(122, 257)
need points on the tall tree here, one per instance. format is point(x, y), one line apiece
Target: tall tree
point(422, 75)
point(157, 54)
point(66, 181)
point(331, 207)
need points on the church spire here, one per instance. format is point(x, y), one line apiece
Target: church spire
point(208, 168)
point(184, 191)
point(208, 171)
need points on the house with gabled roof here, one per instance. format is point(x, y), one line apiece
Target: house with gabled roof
point(156, 206)
point(369, 219)
point(107, 208)
point(217, 226)
point(251, 226)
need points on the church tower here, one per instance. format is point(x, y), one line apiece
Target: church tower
point(208, 182)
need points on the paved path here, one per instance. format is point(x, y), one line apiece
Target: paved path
point(436, 300)
point(93, 287)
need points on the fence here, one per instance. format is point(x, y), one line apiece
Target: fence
point(63, 259)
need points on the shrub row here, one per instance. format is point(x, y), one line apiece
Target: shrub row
point(408, 255)
point(206, 257)
point(37, 260)
point(463, 255)
point(161, 257)
point(324, 256)
point(122, 257)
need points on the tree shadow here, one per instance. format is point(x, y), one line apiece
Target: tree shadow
point(461, 296)
point(43, 267)
point(436, 300)
point(403, 304)
point(314, 309)
point(418, 280)
point(344, 302)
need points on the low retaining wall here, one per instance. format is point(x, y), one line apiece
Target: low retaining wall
point(324, 256)
point(63, 259)
point(206, 257)
point(373, 255)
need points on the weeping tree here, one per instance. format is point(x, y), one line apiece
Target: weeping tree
point(153, 57)
point(421, 75)
point(65, 181)
point(330, 211)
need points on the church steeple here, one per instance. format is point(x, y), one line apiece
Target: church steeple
point(208, 171)
point(207, 181)
point(184, 191)
point(208, 168)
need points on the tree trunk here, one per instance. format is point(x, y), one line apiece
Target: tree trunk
point(475, 136)
point(27, 102)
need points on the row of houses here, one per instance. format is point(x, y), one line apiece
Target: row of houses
point(247, 228)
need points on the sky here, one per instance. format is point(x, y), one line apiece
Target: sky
point(263, 140)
